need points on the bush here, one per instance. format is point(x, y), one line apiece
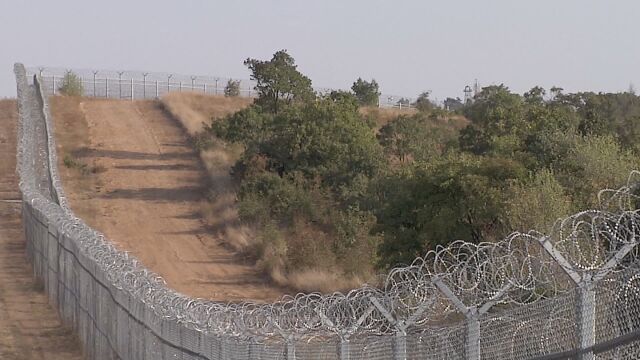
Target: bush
point(232, 89)
point(71, 85)
point(368, 93)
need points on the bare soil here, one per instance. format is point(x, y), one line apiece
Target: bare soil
point(136, 178)
point(29, 328)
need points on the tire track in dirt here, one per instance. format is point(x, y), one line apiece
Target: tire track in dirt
point(29, 328)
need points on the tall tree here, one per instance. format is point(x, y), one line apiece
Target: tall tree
point(278, 81)
point(367, 92)
point(423, 103)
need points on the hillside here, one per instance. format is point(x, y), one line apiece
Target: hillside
point(130, 172)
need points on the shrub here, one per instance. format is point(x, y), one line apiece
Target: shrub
point(71, 85)
point(278, 82)
point(232, 89)
point(368, 93)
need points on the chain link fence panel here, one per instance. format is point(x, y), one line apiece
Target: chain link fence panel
point(570, 294)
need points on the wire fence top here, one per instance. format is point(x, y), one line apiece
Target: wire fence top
point(517, 298)
point(180, 82)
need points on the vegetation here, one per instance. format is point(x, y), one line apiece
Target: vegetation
point(335, 189)
point(279, 81)
point(367, 92)
point(423, 103)
point(232, 89)
point(72, 163)
point(71, 85)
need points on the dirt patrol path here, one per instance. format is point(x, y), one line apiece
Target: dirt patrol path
point(146, 185)
point(29, 328)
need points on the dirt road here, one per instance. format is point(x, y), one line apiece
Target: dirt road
point(29, 328)
point(141, 184)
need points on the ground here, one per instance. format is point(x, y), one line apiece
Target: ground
point(29, 328)
point(130, 171)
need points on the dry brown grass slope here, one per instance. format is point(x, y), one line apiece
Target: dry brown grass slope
point(146, 197)
point(219, 209)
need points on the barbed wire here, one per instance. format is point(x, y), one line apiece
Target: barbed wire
point(110, 83)
point(424, 299)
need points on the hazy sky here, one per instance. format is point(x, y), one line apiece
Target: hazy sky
point(407, 46)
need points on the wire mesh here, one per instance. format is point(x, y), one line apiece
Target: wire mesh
point(152, 85)
point(560, 295)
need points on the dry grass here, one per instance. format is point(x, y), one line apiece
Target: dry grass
point(321, 281)
point(383, 115)
point(219, 211)
point(322, 270)
point(193, 109)
point(72, 138)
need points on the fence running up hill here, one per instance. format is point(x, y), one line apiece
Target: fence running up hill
point(571, 294)
point(151, 85)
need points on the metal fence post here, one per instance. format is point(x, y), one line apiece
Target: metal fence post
point(95, 73)
point(53, 86)
point(344, 333)
point(120, 84)
point(345, 349)
point(587, 318)
point(473, 335)
point(401, 345)
point(586, 309)
point(131, 89)
point(157, 90)
point(144, 85)
point(291, 349)
point(472, 315)
point(400, 338)
point(585, 339)
point(106, 87)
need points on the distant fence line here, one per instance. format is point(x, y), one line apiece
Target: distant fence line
point(150, 85)
point(571, 294)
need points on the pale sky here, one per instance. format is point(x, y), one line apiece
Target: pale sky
point(407, 46)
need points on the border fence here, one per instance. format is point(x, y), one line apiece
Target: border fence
point(573, 293)
point(133, 85)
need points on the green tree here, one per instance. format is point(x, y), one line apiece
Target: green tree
point(249, 126)
point(452, 104)
point(368, 93)
point(279, 81)
point(232, 89)
point(496, 112)
point(423, 103)
point(536, 203)
point(416, 137)
point(459, 197)
point(326, 139)
point(71, 85)
point(594, 163)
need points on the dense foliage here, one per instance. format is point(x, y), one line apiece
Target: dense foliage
point(367, 92)
point(232, 89)
point(329, 189)
point(279, 82)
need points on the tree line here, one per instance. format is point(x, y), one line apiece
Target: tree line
point(329, 187)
